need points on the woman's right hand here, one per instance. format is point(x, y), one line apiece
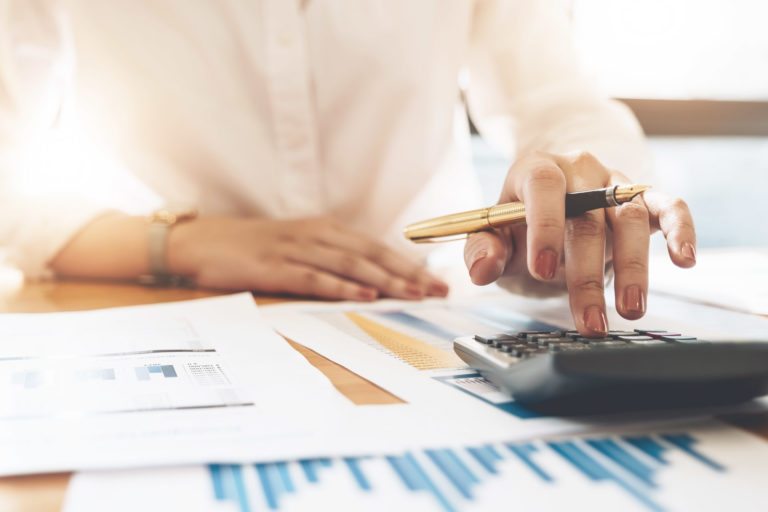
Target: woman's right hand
point(316, 257)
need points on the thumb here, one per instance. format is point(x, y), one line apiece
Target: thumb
point(486, 255)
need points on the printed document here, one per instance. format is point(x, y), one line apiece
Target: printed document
point(182, 382)
point(704, 466)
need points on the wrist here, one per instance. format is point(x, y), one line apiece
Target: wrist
point(180, 248)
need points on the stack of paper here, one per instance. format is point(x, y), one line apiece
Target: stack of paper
point(209, 382)
point(150, 385)
point(734, 279)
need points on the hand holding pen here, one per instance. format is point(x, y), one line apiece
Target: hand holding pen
point(550, 247)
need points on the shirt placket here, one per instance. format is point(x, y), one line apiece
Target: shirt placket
point(292, 108)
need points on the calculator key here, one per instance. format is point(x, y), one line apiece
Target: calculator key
point(543, 342)
point(537, 336)
point(660, 334)
point(526, 334)
point(572, 346)
point(488, 340)
point(525, 352)
point(687, 339)
point(588, 340)
point(508, 347)
point(616, 334)
point(649, 341)
point(554, 347)
point(636, 337)
point(502, 342)
point(607, 343)
point(656, 333)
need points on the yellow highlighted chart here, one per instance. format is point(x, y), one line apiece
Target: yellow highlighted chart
point(413, 351)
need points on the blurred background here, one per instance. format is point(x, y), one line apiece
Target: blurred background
point(696, 75)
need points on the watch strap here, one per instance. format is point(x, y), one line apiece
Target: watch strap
point(159, 226)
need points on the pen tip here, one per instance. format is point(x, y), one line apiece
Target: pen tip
point(625, 193)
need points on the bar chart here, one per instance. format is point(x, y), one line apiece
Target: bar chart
point(626, 471)
point(122, 382)
point(422, 338)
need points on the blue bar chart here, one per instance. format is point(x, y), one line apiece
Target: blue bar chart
point(121, 382)
point(164, 371)
point(453, 479)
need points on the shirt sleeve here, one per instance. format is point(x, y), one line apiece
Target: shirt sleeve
point(527, 93)
point(40, 209)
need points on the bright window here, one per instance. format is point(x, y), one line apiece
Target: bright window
point(676, 49)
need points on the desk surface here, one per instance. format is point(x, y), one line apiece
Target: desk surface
point(45, 493)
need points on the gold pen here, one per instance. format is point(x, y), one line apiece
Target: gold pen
point(451, 227)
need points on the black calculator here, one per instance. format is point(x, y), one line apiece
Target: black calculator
point(561, 372)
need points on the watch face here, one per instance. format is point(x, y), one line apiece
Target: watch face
point(169, 217)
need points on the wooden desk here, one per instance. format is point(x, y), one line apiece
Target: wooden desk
point(45, 493)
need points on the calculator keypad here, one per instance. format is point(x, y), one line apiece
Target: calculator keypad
point(526, 344)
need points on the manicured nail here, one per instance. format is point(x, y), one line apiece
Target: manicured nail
point(366, 294)
point(477, 257)
point(438, 289)
point(595, 320)
point(414, 291)
point(689, 251)
point(546, 264)
point(634, 300)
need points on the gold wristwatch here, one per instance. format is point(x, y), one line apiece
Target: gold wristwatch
point(159, 224)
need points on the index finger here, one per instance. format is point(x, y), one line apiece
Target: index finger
point(389, 260)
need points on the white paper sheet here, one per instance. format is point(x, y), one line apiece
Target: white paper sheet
point(164, 384)
point(735, 279)
point(705, 466)
point(364, 338)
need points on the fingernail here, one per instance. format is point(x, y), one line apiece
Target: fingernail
point(438, 289)
point(688, 251)
point(414, 291)
point(366, 294)
point(479, 256)
point(634, 300)
point(546, 264)
point(595, 320)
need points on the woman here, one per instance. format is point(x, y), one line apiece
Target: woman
point(305, 135)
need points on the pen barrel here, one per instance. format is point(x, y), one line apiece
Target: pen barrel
point(449, 225)
point(577, 203)
point(506, 214)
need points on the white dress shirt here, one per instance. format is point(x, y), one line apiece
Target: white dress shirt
point(279, 108)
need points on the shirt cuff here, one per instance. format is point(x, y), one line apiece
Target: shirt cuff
point(32, 244)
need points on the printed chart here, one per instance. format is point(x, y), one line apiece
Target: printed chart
point(420, 336)
point(627, 468)
point(127, 382)
point(688, 467)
